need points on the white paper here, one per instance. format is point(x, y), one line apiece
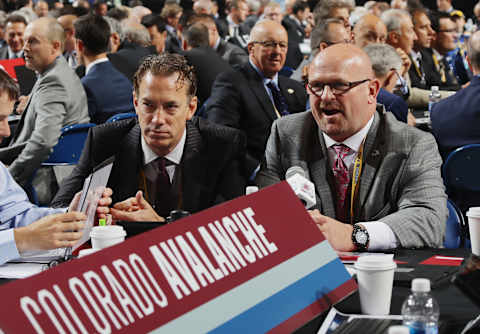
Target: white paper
point(21, 270)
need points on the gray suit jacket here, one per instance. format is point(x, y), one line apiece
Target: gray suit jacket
point(57, 100)
point(400, 183)
point(4, 52)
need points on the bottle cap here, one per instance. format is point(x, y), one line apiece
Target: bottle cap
point(434, 88)
point(398, 330)
point(421, 285)
point(251, 189)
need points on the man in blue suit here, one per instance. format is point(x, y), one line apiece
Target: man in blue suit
point(109, 92)
point(386, 64)
point(456, 119)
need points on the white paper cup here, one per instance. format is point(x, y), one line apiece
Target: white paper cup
point(375, 282)
point(473, 215)
point(85, 252)
point(106, 236)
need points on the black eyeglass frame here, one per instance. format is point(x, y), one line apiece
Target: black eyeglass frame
point(273, 44)
point(335, 91)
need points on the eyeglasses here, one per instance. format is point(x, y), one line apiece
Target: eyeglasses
point(272, 44)
point(337, 88)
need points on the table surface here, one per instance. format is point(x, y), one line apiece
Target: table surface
point(455, 308)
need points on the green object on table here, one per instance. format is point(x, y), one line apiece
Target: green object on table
point(101, 222)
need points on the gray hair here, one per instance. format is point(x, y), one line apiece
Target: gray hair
point(323, 8)
point(115, 26)
point(393, 18)
point(384, 58)
point(138, 36)
point(473, 50)
point(321, 33)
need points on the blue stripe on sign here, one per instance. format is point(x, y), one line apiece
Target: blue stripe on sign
point(288, 302)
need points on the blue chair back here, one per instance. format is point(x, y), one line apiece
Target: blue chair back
point(119, 117)
point(69, 146)
point(453, 232)
point(460, 170)
point(286, 71)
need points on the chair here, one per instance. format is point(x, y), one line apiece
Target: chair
point(65, 153)
point(286, 71)
point(119, 117)
point(455, 226)
point(460, 170)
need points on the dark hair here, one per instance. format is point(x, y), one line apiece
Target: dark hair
point(166, 64)
point(98, 3)
point(299, 6)
point(435, 18)
point(117, 13)
point(196, 35)
point(16, 18)
point(9, 86)
point(151, 20)
point(234, 4)
point(94, 32)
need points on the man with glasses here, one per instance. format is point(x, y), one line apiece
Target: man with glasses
point(397, 198)
point(253, 95)
point(436, 61)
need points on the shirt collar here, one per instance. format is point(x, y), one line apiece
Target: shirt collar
point(93, 63)
point(174, 156)
point(416, 55)
point(230, 21)
point(12, 54)
point(215, 47)
point(437, 54)
point(352, 142)
point(170, 29)
point(265, 80)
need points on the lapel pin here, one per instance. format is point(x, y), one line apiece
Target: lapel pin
point(290, 91)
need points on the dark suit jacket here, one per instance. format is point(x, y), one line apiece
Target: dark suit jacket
point(393, 103)
point(210, 165)
point(433, 77)
point(104, 100)
point(456, 119)
point(129, 57)
point(208, 64)
point(400, 184)
point(172, 44)
point(243, 30)
point(240, 100)
point(4, 52)
point(231, 53)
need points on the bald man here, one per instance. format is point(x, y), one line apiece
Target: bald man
point(253, 95)
point(399, 198)
point(57, 100)
point(369, 29)
point(66, 21)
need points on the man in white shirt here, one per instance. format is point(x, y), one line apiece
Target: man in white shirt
point(398, 199)
point(14, 30)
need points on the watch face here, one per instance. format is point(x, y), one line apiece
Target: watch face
point(361, 237)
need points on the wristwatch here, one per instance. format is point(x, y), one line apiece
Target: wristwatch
point(360, 237)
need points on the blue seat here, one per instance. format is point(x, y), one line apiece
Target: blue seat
point(69, 146)
point(286, 71)
point(460, 170)
point(66, 152)
point(119, 117)
point(455, 226)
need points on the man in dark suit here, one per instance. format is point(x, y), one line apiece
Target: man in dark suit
point(171, 14)
point(14, 29)
point(157, 29)
point(178, 162)
point(386, 64)
point(253, 95)
point(104, 100)
point(398, 195)
point(229, 52)
point(455, 120)
point(232, 27)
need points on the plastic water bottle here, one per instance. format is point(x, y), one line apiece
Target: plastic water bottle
point(433, 97)
point(398, 330)
point(420, 310)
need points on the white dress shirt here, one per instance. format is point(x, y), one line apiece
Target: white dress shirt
point(93, 63)
point(381, 235)
point(174, 157)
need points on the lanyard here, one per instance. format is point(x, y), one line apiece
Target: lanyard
point(439, 69)
point(419, 71)
point(357, 172)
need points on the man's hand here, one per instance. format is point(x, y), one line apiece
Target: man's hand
point(338, 234)
point(406, 62)
point(53, 231)
point(102, 206)
point(135, 209)
point(22, 103)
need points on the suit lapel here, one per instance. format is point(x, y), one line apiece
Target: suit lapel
point(129, 161)
point(194, 171)
point(372, 158)
point(256, 84)
point(318, 166)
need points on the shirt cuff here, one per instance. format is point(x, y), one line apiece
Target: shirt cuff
point(8, 248)
point(381, 236)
